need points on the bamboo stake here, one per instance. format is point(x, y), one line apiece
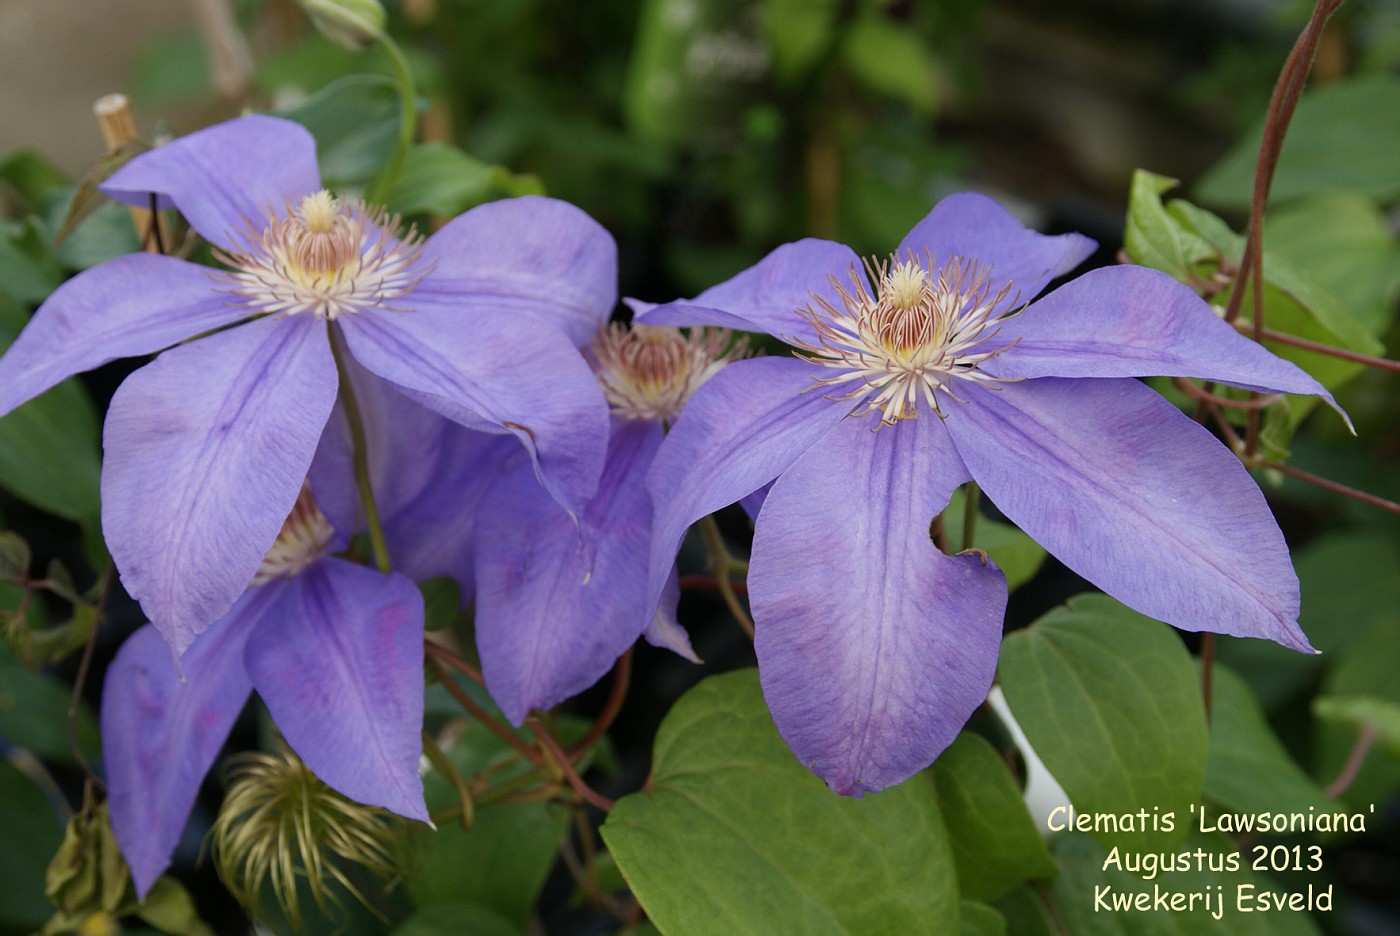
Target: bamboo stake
point(118, 125)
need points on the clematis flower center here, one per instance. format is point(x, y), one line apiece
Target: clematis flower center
point(920, 333)
point(303, 539)
point(648, 372)
point(324, 256)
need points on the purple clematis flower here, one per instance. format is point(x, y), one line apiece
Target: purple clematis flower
point(207, 446)
point(558, 600)
point(914, 377)
point(334, 649)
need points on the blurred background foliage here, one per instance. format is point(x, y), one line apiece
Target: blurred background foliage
point(702, 133)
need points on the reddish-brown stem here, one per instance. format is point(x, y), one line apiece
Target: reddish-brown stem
point(84, 664)
point(566, 767)
point(1269, 334)
point(709, 583)
point(479, 713)
point(622, 677)
point(1196, 393)
point(1355, 759)
point(1335, 487)
point(456, 662)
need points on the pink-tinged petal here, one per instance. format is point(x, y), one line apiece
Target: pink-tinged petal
point(206, 448)
point(873, 647)
point(1129, 321)
point(488, 373)
point(975, 227)
point(126, 307)
point(531, 256)
point(1136, 497)
point(161, 733)
point(739, 431)
point(224, 176)
point(340, 665)
point(547, 625)
point(665, 631)
point(767, 296)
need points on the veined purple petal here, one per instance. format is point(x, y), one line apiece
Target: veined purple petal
point(339, 662)
point(739, 431)
point(133, 305)
point(766, 296)
point(532, 256)
point(161, 733)
point(206, 448)
point(975, 227)
point(225, 175)
point(1137, 498)
point(548, 627)
point(665, 631)
point(873, 647)
point(489, 373)
point(1129, 321)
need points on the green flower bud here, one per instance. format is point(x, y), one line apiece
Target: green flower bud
point(354, 24)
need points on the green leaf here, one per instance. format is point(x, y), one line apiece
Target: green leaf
point(30, 833)
point(30, 175)
point(1366, 668)
point(29, 271)
point(1025, 913)
point(89, 233)
point(1217, 870)
point(1155, 238)
point(34, 714)
point(1379, 715)
point(171, 909)
point(889, 58)
point(456, 919)
point(996, 845)
point(442, 600)
point(733, 835)
point(1110, 702)
point(978, 919)
point(799, 33)
point(439, 178)
point(1342, 137)
point(355, 121)
point(1017, 555)
point(15, 556)
point(1249, 770)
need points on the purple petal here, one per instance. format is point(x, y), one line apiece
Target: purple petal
point(548, 627)
point(129, 306)
point(665, 631)
point(1128, 321)
point(161, 733)
point(225, 176)
point(339, 663)
point(975, 227)
point(739, 431)
point(766, 296)
point(873, 647)
point(537, 257)
point(206, 448)
point(488, 373)
point(1137, 498)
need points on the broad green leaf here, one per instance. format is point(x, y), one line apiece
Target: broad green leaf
point(732, 835)
point(442, 600)
point(355, 122)
point(889, 58)
point(1110, 701)
point(1379, 715)
point(1208, 866)
point(171, 909)
point(30, 833)
point(978, 919)
point(1249, 770)
point(1017, 555)
point(34, 713)
point(440, 179)
point(1366, 668)
point(1342, 137)
point(103, 232)
point(49, 450)
point(29, 271)
point(30, 175)
point(1155, 238)
point(1025, 913)
point(1349, 582)
point(457, 919)
point(1346, 245)
point(996, 845)
point(800, 34)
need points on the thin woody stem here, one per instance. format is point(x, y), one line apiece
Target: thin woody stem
point(622, 677)
point(1335, 487)
point(1197, 393)
point(84, 665)
point(719, 564)
point(1355, 760)
point(479, 713)
point(566, 767)
point(1269, 334)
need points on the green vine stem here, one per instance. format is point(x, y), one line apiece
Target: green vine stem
point(360, 456)
point(383, 183)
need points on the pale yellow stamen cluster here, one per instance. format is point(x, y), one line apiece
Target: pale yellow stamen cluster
point(303, 539)
point(648, 372)
point(919, 334)
point(323, 256)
